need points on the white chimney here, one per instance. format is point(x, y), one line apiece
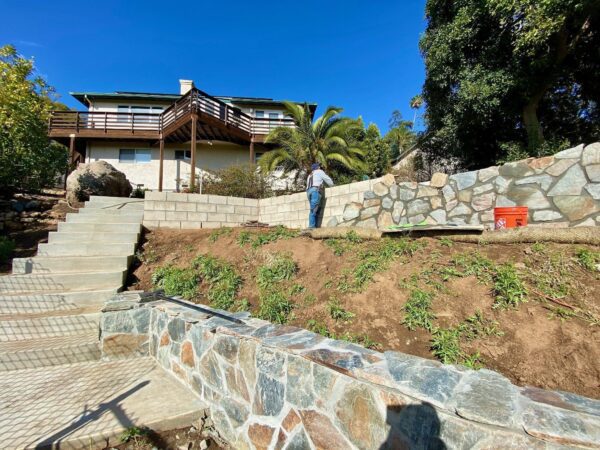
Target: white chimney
point(185, 86)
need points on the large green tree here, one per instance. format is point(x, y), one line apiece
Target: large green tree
point(28, 159)
point(502, 74)
point(326, 140)
point(400, 136)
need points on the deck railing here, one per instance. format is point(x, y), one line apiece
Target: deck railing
point(195, 101)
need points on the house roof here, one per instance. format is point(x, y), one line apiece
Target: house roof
point(119, 95)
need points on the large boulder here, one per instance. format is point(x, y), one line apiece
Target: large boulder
point(96, 178)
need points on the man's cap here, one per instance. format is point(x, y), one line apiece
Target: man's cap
point(315, 166)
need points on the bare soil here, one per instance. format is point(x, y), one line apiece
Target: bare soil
point(536, 347)
point(184, 438)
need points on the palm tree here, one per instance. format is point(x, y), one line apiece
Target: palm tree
point(415, 103)
point(327, 139)
point(400, 136)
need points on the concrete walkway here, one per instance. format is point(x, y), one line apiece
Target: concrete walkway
point(53, 386)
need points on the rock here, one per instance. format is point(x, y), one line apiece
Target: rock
point(464, 180)
point(448, 193)
point(388, 180)
point(546, 216)
point(117, 322)
point(483, 202)
point(187, 354)
point(591, 154)
point(426, 191)
point(299, 381)
point(460, 210)
point(269, 396)
point(291, 420)
point(516, 169)
point(560, 166)
point(333, 222)
point(501, 184)
point(394, 191)
point(125, 345)
point(488, 173)
point(576, 208)
point(270, 362)
point(322, 432)
point(176, 329)
point(483, 188)
point(397, 211)
point(574, 152)
point(417, 219)
point(247, 361)
point(372, 202)
point(571, 183)
point(369, 223)
point(529, 196)
point(465, 196)
point(387, 202)
point(439, 216)
point(544, 181)
point(541, 163)
point(96, 178)
point(236, 411)
point(436, 202)
point(369, 212)
point(385, 220)
point(227, 347)
point(260, 435)
point(352, 211)
point(593, 190)
point(406, 194)
point(439, 180)
point(593, 172)
point(418, 207)
point(368, 195)
point(17, 206)
point(381, 189)
point(210, 371)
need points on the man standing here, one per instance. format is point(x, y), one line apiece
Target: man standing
point(315, 191)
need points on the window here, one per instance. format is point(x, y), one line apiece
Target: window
point(273, 115)
point(259, 114)
point(135, 155)
point(183, 154)
point(154, 110)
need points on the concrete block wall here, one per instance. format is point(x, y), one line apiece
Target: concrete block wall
point(195, 211)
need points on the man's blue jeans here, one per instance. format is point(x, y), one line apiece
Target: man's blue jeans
point(314, 198)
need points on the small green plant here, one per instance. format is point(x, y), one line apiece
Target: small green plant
point(274, 234)
point(538, 247)
point(318, 327)
point(217, 233)
point(242, 305)
point(297, 289)
point(474, 361)
point(7, 246)
point(275, 306)
point(244, 238)
point(222, 279)
point(337, 312)
point(477, 326)
point(509, 289)
point(561, 313)
point(473, 263)
point(338, 246)
point(445, 345)
point(588, 259)
point(445, 242)
point(310, 299)
point(136, 434)
point(417, 310)
point(281, 267)
point(176, 281)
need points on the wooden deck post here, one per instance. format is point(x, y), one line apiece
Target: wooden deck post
point(160, 163)
point(252, 151)
point(71, 158)
point(193, 153)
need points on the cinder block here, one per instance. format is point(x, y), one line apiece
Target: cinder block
point(181, 206)
point(217, 199)
point(211, 224)
point(191, 225)
point(205, 207)
point(164, 206)
point(197, 216)
point(225, 209)
point(154, 215)
point(148, 205)
point(198, 198)
point(217, 217)
point(251, 202)
point(155, 195)
point(177, 197)
point(176, 215)
point(235, 201)
point(169, 224)
point(235, 218)
point(265, 201)
point(151, 223)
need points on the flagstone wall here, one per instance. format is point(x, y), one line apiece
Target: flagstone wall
point(274, 386)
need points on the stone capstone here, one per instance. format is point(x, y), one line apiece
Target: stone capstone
point(574, 152)
point(96, 178)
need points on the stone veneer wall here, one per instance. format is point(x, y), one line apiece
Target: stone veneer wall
point(560, 190)
point(272, 387)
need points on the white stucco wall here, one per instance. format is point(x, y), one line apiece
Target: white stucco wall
point(208, 157)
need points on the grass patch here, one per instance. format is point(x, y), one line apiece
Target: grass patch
point(216, 234)
point(280, 268)
point(7, 246)
point(445, 242)
point(473, 263)
point(177, 281)
point(538, 247)
point(257, 240)
point(477, 326)
point(560, 313)
point(274, 290)
point(222, 279)
point(418, 310)
point(588, 259)
point(337, 312)
point(244, 237)
point(509, 289)
point(361, 339)
point(275, 306)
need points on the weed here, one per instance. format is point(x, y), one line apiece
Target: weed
point(222, 279)
point(366, 342)
point(242, 305)
point(176, 281)
point(561, 313)
point(135, 433)
point(538, 247)
point(445, 242)
point(478, 326)
point(280, 268)
point(216, 234)
point(275, 306)
point(445, 345)
point(338, 246)
point(274, 234)
point(473, 263)
point(328, 284)
point(509, 289)
point(147, 256)
point(473, 361)
point(310, 299)
point(588, 259)
point(189, 248)
point(337, 312)
point(318, 327)
point(417, 309)
point(244, 238)
point(297, 289)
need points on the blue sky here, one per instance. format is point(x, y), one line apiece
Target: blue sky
point(362, 56)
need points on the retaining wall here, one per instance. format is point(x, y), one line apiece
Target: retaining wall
point(560, 191)
point(270, 386)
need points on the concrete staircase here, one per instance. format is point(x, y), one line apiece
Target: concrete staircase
point(49, 305)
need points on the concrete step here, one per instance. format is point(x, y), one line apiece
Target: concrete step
point(49, 351)
point(105, 198)
point(62, 281)
point(94, 218)
point(89, 405)
point(99, 227)
point(132, 204)
point(111, 237)
point(112, 212)
point(28, 304)
point(48, 327)
point(69, 264)
point(86, 248)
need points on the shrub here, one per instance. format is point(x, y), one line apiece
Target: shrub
point(280, 268)
point(6, 248)
point(237, 181)
point(176, 281)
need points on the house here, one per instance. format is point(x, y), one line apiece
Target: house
point(148, 136)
